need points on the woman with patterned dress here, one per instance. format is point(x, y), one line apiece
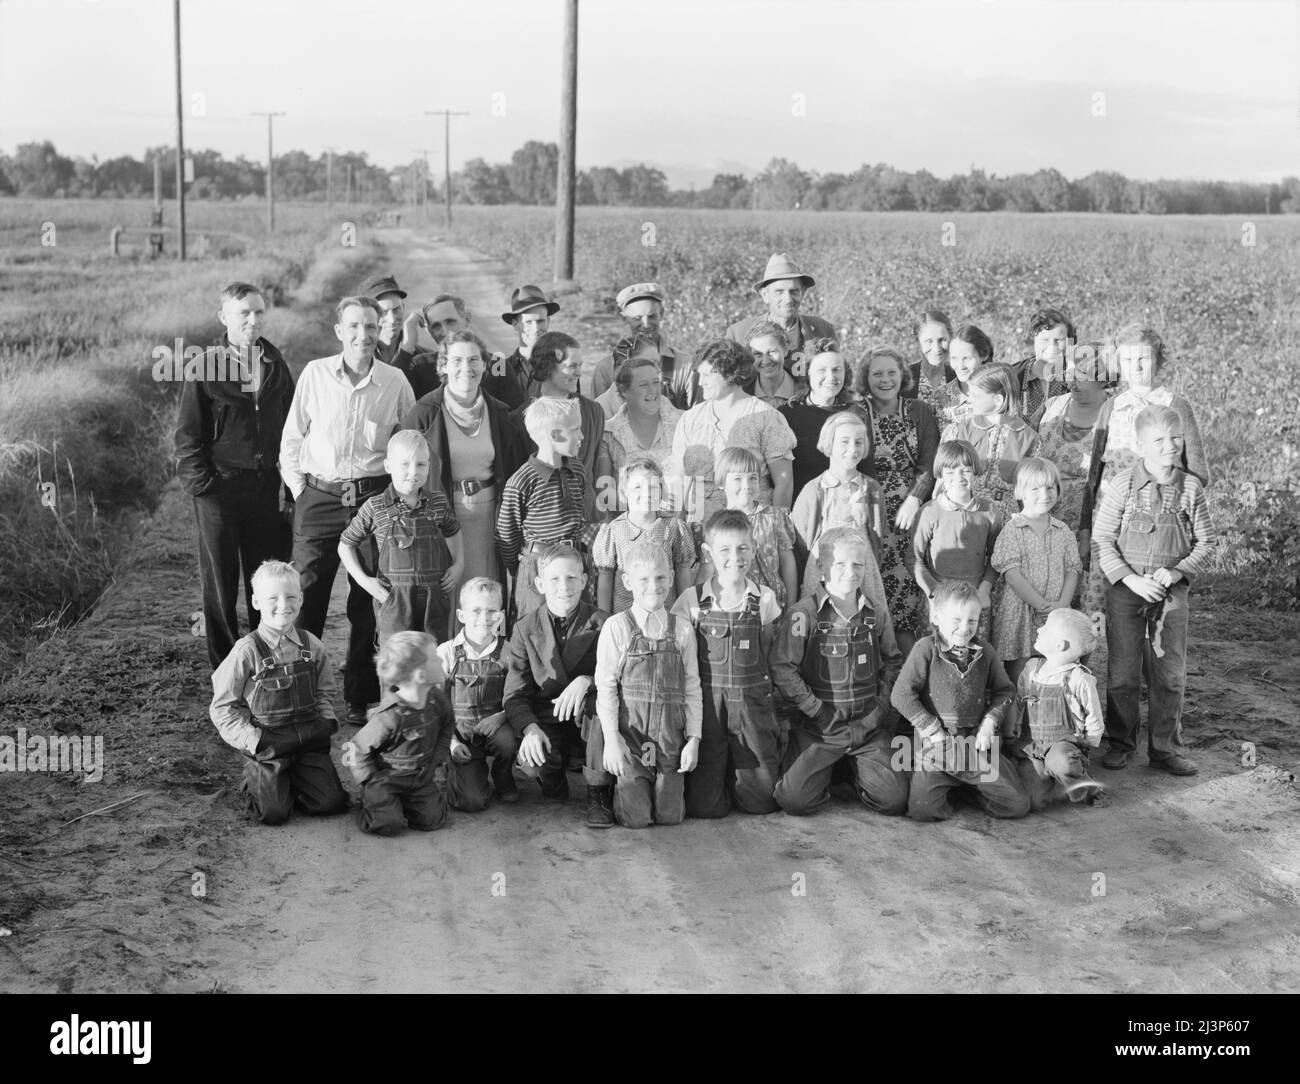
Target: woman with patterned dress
point(643, 425)
point(904, 438)
point(969, 349)
point(1066, 430)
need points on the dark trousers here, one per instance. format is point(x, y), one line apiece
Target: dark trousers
point(239, 524)
point(739, 768)
point(468, 782)
point(409, 608)
point(319, 519)
point(810, 763)
point(1003, 797)
point(391, 801)
point(272, 786)
point(1129, 643)
point(566, 738)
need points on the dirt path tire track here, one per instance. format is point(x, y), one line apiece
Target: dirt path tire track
point(1202, 876)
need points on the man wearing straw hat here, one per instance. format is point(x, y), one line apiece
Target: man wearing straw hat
point(530, 315)
point(782, 288)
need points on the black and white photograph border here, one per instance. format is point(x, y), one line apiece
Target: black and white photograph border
point(1133, 167)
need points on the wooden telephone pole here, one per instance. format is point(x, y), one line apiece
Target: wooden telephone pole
point(180, 135)
point(270, 171)
point(446, 115)
point(564, 191)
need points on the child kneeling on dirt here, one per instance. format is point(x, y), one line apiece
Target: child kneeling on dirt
point(550, 695)
point(474, 662)
point(834, 661)
point(648, 695)
point(400, 756)
point(955, 692)
point(273, 700)
point(1062, 714)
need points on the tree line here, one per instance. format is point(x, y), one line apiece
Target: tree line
point(38, 170)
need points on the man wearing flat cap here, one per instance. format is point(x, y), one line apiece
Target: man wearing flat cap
point(782, 288)
point(530, 315)
point(642, 308)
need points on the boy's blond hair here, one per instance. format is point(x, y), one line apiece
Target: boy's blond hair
point(839, 536)
point(954, 593)
point(482, 585)
point(1157, 418)
point(645, 553)
point(547, 414)
point(402, 654)
point(558, 551)
point(274, 570)
point(405, 440)
point(1077, 626)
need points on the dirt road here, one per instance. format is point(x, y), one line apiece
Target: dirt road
point(1179, 885)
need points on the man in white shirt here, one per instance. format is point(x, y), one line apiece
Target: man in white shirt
point(332, 452)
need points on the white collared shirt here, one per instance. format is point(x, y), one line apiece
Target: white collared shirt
point(337, 430)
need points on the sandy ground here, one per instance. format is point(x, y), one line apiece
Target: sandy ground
point(1179, 885)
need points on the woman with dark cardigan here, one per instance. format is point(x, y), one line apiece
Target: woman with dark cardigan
point(475, 445)
point(904, 439)
point(828, 393)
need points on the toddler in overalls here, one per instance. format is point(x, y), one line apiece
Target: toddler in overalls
point(648, 696)
point(273, 701)
point(474, 662)
point(419, 543)
point(1062, 714)
point(399, 757)
point(834, 661)
point(1152, 534)
point(956, 694)
point(734, 620)
point(544, 501)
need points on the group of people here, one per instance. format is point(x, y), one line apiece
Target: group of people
point(749, 576)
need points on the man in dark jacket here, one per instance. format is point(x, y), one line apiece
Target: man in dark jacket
point(227, 448)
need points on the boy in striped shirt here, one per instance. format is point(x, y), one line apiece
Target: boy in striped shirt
point(542, 503)
point(1152, 534)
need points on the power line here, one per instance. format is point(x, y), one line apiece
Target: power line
point(446, 115)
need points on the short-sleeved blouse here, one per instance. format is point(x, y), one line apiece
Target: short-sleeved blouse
point(622, 443)
point(699, 438)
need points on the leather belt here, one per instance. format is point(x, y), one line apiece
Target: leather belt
point(470, 486)
point(359, 487)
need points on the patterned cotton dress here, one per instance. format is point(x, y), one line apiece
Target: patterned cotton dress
point(1044, 561)
point(949, 403)
point(896, 441)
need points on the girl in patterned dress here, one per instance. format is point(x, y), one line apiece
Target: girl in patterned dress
point(1038, 558)
point(996, 431)
point(905, 437)
point(1066, 430)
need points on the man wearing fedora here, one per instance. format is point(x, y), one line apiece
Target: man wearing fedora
point(782, 288)
point(642, 308)
point(399, 335)
point(530, 315)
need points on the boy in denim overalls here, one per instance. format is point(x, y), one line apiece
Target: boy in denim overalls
point(648, 696)
point(956, 694)
point(400, 756)
point(1152, 534)
point(419, 543)
point(734, 620)
point(834, 661)
point(273, 701)
point(474, 662)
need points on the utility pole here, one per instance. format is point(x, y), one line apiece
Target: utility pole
point(424, 190)
point(180, 134)
point(446, 115)
point(329, 179)
point(568, 145)
point(270, 171)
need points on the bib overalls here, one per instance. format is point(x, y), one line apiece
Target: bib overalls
point(476, 688)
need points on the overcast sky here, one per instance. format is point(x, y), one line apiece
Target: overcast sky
point(694, 86)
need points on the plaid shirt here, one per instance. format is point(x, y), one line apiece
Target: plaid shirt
point(541, 504)
point(1184, 493)
point(387, 511)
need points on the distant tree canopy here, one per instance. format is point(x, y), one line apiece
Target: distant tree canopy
point(37, 169)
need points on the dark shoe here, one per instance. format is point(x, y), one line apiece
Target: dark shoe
point(1081, 790)
point(356, 715)
point(1099, 800)
point(557, 794)
point(1175, 765)
point(600, 807)
point(1115, 759)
